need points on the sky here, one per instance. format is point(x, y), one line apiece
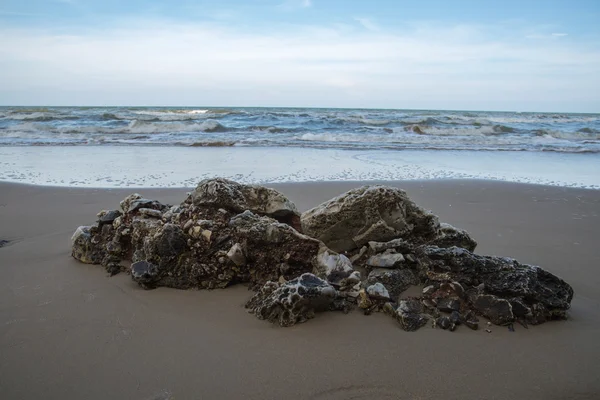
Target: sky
point(526, 55)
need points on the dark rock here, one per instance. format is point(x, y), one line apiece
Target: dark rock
point(505, 279)
point(409, 315)
point(145, 274)
point(4, 242)
point(395, 280)
point(108, 217)
point(133, 203)
point(499, 311)
point(455, 318)
point(84, 249)
point(470, 320)
point(448, 305)
point(293, 302)
point(226, 233)
point(443, 322)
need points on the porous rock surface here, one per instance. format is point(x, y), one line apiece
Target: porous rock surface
point(225, 233)
point(377, 213)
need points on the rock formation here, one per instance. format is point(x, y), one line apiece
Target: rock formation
point(225, 233)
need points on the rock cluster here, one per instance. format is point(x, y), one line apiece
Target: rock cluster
point(361, 249)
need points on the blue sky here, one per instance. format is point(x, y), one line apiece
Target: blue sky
point(525, 55)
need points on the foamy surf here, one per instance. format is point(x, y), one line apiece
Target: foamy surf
point(300, 127)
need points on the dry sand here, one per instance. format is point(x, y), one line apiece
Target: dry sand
point(67, 331)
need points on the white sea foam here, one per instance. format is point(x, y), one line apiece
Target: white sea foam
point(95, 166)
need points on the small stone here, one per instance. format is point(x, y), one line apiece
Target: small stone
point(108, 217)
point(385, 260)
point(236, 254)
point(150, 213)
point(357, 256)
point(443, 322)
point(428, 290)
point(455, 317)
point(206, 234)
point(488, 330)
point(364, 302)
point(188, 224)
point(144, 273)
point(378, 292)
point(470, 320)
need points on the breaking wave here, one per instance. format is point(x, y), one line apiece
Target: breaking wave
point(298, 127)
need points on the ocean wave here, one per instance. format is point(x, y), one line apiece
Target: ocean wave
point(211, 144)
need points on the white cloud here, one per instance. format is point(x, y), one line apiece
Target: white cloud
point(295, 4)
point(161, 63)
point(560, 34)
point(367, 23)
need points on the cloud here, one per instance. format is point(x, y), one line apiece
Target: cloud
point(16, 13)
point(295, 4)
point(157, 62)
point(545, 35)
point(368, 24)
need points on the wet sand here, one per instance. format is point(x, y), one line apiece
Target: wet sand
point(69, 331)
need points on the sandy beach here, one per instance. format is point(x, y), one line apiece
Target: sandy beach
point(68, 331)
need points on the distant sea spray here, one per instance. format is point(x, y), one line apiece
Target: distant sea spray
point(354, 129)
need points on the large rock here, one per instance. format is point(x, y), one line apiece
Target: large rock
point(495, 286)
point(225, 233)
point(236, 197)
point(294, 301)
point(371, 213)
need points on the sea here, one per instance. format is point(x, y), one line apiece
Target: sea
point(73, 146)
point(300, 127)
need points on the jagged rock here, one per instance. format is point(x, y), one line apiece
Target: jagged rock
point(379, 214)
point(400, 245)
point(364, 301)
point(274, 248)
point(470, 320)
point(450, 236)
point(444, 323)
point(370, 213)
point(498, 310)
point(409, 314)
point(83, 249)
point(145, 274)
point(208, 242)
point(496, 283)
point(395, 280)
point(150, 212)
point(235, 197)
point(293, 302)
point(378, 292)
point(133, 203)
point(335, 269)
point(455, 318)
point(108, 217)
point(448, 305)
point(385, 260)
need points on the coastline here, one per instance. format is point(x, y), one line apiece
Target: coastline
point(161, 167)
point(78, 334)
